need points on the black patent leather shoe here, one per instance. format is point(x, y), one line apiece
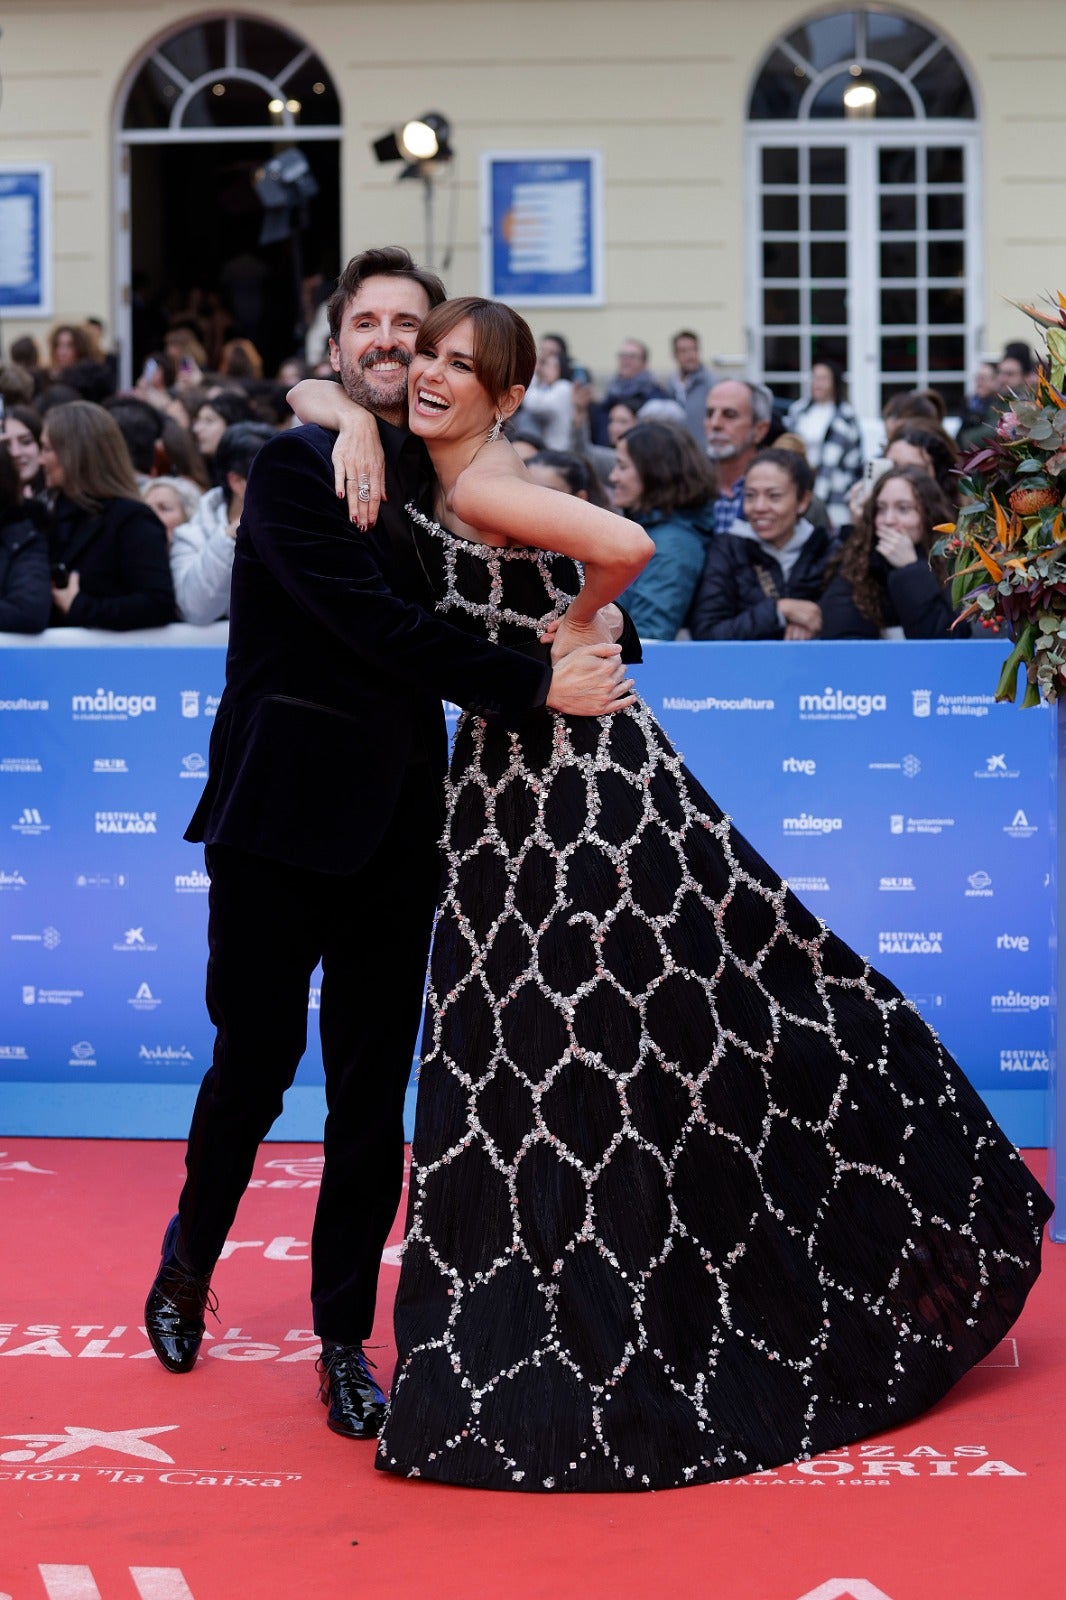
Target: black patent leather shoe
point(174, 1310)
point(355, 1399)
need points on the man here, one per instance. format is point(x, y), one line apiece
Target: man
point(737, 420)
point(692, 383)
point(633, 383)
point(321, 814)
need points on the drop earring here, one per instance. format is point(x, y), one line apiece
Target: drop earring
point(494, 432)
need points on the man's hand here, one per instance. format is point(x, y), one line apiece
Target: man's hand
point(65, 598)
point(591, 682)
point(805, 616)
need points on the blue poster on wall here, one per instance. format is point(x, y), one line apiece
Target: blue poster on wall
point(542, 233)
point(25, 239)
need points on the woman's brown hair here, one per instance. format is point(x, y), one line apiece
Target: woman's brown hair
point(504, 353)
point(92, 452)
point(853, 560)
point(674, 472)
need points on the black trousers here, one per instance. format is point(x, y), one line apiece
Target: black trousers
point(269, 926)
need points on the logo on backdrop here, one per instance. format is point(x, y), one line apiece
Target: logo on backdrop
point(144, 999)
point(107, 706)
point(191, 703)
point(1019, 827)
point(101, 880)
point(110, 764)
point(22, 704)
point(50, 997)
point(194, 766)
point(1011, 941)
point(837, 705)
point(161, 1055)
point(675, 702)
point(803, 764)
point(30, 823)
point(996, 767)
point(808, 885)
point(125, 821)
point(20, 764)
point(195, 882)
point(806, 824)
point(82, 1054)
point(899, 823)
point(50, 938)
point(921, 702)
point(13, 1052)
point(910, 944)
point(979, 886)
point(1016, 1004)
point(1024, 1061)
point(135, 941)
point(12, 880)
point(910, 766)
point(896, 886)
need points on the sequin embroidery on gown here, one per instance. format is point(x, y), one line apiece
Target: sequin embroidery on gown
point(695, 1191)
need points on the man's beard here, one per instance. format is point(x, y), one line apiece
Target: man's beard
point(387, 395)
point(724, 451)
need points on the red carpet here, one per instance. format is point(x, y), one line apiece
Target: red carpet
point(119, 1481)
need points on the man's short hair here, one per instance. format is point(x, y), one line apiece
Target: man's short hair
point(642, 347)
point(685, 333)
point(762, 399)
point(390, 262)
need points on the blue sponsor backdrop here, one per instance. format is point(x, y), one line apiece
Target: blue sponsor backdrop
point(904, 806)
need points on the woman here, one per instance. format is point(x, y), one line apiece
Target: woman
point(765, 584)
point(932, 451)
point(694, 1191)
point(548, 404)
point(108, 550)
point(21, 432)
point(664, 481)
point(212, 417)
point(832, 434)
point(69, 343)
point(25, 585)
point(174, 501)
point(880, 582)
point(568, 472)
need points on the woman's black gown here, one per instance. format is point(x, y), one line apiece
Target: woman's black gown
point(694, 1190)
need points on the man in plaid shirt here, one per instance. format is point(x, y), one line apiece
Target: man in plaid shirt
point(737, 420)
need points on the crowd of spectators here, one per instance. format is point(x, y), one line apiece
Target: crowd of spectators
point(119, 510)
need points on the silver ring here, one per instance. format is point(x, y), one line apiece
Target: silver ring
point(363, 491)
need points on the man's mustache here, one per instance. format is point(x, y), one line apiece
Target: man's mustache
point(374, 358)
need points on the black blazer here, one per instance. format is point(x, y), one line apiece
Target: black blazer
point(335, 673)
point(120, 556)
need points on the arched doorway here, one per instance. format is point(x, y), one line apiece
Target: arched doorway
point(199, 116)
point(864, 245)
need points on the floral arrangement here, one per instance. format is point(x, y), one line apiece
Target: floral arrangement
point(1007, 552)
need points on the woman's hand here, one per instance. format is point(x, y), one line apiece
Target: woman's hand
point(571, 635)
point(802, 618)
point(64, 598)
point(358, 459)
point(610, 615)
point(359, 468)
point(896, 548)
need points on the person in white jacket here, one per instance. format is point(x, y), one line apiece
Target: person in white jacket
point(201, 553)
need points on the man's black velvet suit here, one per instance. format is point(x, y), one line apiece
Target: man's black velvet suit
point(321, 817)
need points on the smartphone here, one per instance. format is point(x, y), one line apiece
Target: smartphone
point(151, 367)
point(873, 469)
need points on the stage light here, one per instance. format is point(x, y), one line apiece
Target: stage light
point(424, 146)
point(860, 96)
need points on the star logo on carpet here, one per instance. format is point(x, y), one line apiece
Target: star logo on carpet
point(846, 1589)
point(22, 1166)
point(74, 1441)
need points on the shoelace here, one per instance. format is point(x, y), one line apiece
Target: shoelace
point(178, 1280)
point(340, 1362)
